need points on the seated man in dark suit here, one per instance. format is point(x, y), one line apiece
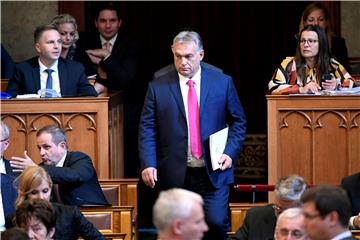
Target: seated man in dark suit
point(8, 193)
point(5, 167)
point(72, 171)
point(260, 222)
point(352, 186)
point(48, 70)
point(327, 211)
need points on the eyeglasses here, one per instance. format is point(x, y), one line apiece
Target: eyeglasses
point(308, 216)
point(297, 234)
point(3, 140)
point(309, 41)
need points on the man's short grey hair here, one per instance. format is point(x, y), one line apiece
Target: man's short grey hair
point(290, 188)
point(173, 204)
point(189, 36)
point(290, 213)
point(5, 130)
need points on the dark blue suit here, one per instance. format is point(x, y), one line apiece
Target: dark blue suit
point(9, 170)
point(78, 183)
point(352, 186)
point(73, 81)
point(163, 135)
point(8, 193)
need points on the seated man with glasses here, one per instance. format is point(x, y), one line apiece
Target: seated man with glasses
point(327, 210)
point(260, 222)
point(312, 68)
point(291, 222)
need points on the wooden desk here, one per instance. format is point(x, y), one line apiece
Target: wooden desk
point(317, 137)
point(85, 120)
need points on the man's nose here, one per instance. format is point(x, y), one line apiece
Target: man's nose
point(31, 234)
point(42, 151)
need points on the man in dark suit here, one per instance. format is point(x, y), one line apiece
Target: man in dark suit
point(8, 196)
point(327, 211)
point(49, 71)
point(259, 222)
point(170, 156)
point(8, 193)
point(4, 144)
point(352, 186)
point(116, 59)
point(72, 171)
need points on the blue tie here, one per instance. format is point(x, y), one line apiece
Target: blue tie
point(49, 82)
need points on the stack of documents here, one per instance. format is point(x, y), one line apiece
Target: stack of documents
point(217, 143)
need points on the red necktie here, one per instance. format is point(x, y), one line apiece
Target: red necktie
point(194, 125)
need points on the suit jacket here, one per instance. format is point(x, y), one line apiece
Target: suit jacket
point(70, 224)
point(352, 186)
point(8, 194)
point(163, 131)
point(73, 81)
point(259, 223)
point(77, 180)
point(123, 67)
point(9, 169)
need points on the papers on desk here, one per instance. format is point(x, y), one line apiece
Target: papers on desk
point(217, 143)
point(28, 96)
point(342, 91)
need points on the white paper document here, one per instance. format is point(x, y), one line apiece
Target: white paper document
point(217, 143)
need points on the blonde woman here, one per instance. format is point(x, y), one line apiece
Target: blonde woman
point(35, 183)
point(67, 27)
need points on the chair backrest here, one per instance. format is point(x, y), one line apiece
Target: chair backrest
point(110, 220)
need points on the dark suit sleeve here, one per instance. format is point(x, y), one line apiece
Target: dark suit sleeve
point(122, 66)
point(147, 131)
point(84, 88)
point(85, 228)
point(14, 85)
point(340, 52)
point(243, 232)
point(236, 121)
point(77, 169)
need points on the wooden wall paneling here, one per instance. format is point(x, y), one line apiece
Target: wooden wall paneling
point(316, 137)
point(85, 121)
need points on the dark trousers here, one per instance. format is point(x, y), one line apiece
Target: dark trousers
point(215, 202)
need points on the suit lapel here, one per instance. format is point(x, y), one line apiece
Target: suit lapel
point(205, 86)
point(62, 76)
point(36, 74)
point(176, 92)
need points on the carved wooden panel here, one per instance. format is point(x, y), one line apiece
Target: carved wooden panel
point(85, 121)
point(317, 137)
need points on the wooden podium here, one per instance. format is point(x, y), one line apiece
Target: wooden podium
point(87, 122)
point(316, 137)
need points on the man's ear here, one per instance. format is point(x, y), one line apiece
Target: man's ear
point(202, 54)
point(63, 145)
point(333, 218)
point(37, 47)
point(177, 226)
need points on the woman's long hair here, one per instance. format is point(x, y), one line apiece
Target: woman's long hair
point(322, 59)
point(313, 7)
point(28, 180)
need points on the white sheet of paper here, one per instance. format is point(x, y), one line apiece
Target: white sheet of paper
point(217, 143)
